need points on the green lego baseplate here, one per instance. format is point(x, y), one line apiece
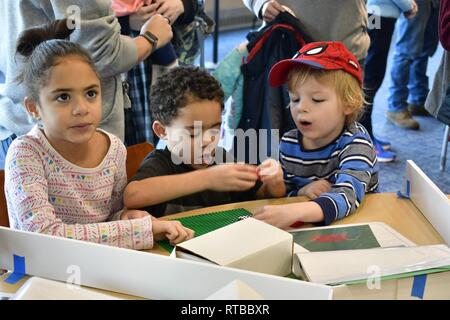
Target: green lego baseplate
point(208, 222)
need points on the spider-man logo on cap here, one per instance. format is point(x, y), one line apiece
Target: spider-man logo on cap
point(319, 55)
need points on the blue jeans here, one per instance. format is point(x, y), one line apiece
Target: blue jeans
point(375, 66)
point(417, 40)
point(4, 146)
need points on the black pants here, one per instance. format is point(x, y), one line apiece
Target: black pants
point(375, 65)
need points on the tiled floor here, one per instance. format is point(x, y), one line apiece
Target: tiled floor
point(422, 146)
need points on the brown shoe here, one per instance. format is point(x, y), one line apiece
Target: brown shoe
point(417, 110)
point(403, 120)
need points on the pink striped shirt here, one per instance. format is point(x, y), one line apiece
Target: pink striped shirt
point(46, 193)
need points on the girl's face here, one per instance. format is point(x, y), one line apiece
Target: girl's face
point(70, 103)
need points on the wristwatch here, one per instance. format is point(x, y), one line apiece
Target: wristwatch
point(150, 38)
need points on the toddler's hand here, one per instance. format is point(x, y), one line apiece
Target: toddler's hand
point(270, 171)
point(271, 174)
point(281, 216)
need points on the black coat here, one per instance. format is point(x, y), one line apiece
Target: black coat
point(265, 107)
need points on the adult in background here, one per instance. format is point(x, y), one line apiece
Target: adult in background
point(98, 32)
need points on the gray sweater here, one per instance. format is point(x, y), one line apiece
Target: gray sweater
point(99, 32)
point(329, 20)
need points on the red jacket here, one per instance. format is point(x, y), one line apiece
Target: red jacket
point(444, 24)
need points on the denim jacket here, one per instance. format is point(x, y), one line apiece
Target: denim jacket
point(388, 8)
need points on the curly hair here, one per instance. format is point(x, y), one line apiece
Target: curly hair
point(179, 87)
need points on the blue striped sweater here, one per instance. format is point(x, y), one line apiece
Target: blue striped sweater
point(349, 163)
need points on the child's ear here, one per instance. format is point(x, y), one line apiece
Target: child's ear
point(159, 129)
point(348, 110)
point(32, 108)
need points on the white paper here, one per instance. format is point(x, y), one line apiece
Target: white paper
point(331, 267)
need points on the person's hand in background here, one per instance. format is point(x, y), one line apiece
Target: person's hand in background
point(411, 13)
point(140, 17)
point(171, 9)
point(270, 10)
point(160, 27)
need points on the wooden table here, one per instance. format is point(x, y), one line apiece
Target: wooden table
point(400, 214)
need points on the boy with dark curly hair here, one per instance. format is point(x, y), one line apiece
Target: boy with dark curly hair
point(186, 107)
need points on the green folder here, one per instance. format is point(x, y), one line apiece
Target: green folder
point(208, 222)
point(399, 275)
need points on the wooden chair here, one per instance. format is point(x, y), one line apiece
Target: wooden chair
point(4, 220)
point(135, 155)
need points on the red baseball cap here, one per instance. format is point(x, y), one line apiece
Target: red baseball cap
point(326, 55)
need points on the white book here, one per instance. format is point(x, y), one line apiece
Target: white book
point(335, 267)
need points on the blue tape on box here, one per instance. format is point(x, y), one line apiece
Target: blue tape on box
point(418, 288)
point(405, 196)
point(19, 270)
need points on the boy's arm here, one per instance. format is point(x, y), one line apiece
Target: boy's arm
point(160, 189)
point(162, 186)
point(358, 169)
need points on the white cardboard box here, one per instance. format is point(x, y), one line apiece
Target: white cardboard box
point(248, 244)
point(138, 273)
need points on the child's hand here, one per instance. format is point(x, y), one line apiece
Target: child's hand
point(231, 177)
point(315, 189)
point(270, 171)
point(281, 216)
point(172, 230)
point(271, 175)
point(284, 216)
point(133, 214)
